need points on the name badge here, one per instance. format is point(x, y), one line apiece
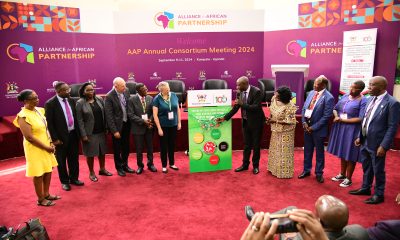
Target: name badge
point(144, 117)
point(308, 113)
point(170, 115)
point(343, 115)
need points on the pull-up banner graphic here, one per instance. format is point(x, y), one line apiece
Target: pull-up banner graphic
point(210, 142)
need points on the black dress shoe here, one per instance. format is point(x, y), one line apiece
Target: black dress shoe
point(139, 170)
point(77, 183)
point(375, 200)
point(241, 168)
point(320, 179)
point(361, 191)
point(105, 173)
point(256, 171)
point(121, 173)
point(173, 167)
point(152, 168)
point(128, 169)
point(303, 175)
point(66, 187)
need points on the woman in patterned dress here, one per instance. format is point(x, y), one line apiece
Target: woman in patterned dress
point(283, 124)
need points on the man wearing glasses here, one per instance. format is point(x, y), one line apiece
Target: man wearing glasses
point(63, 128)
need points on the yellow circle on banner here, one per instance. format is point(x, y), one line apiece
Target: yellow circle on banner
point(196, 154)
point(198, 138)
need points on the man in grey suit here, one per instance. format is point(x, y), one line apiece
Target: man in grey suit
point(140, 113)
point(381, 119)
point(116, 112)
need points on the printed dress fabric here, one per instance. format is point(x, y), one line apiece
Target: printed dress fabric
point(281, 149)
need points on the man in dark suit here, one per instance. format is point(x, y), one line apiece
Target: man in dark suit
point(253, 118)
point(379, 126)
point(316, 112)
point(63, 128)
point(116, 110)
point(140, 112)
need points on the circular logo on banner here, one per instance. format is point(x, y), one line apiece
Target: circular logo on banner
point(214, 160)
point(209, 147)
point(198, 138)
point(223, 146)
point(215, 134)
point(196, 154)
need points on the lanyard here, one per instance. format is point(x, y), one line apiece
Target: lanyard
point(44, 122)
point(167, 101)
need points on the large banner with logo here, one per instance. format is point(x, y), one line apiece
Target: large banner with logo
point(36, 60)
point(322, 49)
point(358, 57)
point(210, 142)
point(190, 57)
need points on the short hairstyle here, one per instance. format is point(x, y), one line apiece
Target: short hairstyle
point(324, 80)
point(138, 86)
point(162, 84)
point(24, 94)
point(58, 85)
point(285, 94)
point(117, 79)
point(82, 89)
point(360, 84)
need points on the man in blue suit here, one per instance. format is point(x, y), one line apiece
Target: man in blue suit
point(317, 110)
point(379, 126)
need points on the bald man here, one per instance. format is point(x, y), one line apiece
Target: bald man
point(116, 111)
point(379, 126)
point(253, 118)
point(334, 216)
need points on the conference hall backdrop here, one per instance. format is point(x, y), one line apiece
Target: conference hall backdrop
point(41, 44)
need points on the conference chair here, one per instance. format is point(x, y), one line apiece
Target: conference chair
point(215, 84)
point(75, 90)
point(178, 87)
point(267, 87)
point(131, 87)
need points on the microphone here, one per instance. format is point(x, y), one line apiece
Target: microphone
point(237, 95)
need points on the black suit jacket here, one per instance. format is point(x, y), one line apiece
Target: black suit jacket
point(113, 110)
point(135, 111)
point(253, 108)
point(56, 121)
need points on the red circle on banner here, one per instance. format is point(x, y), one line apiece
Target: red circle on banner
point(214, 160)
point(209, 147)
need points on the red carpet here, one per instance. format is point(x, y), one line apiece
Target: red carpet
point(180, 205)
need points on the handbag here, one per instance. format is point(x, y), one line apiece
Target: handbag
point(33, 230)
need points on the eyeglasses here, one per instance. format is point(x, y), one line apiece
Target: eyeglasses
point(67, 90)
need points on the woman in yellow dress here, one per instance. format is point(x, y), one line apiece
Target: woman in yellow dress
point(283, 124)
point(39, 151)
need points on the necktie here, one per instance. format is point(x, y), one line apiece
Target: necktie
point(367, 116)
point(313, 101)
point(122, 99)
point(144, 104)
point(70, 119)
point(244, 99)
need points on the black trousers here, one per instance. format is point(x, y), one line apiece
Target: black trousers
point(121, 147)
point(252, 136)
point(147, 138)
point(167, 144)
point(68, 154)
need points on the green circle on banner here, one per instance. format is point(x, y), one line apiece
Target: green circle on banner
point(196, 154)
point(216, 134)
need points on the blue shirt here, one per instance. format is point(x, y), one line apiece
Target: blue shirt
point(60, 99)
point(164, 107)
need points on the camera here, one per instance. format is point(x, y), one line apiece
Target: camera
point(285, 224)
